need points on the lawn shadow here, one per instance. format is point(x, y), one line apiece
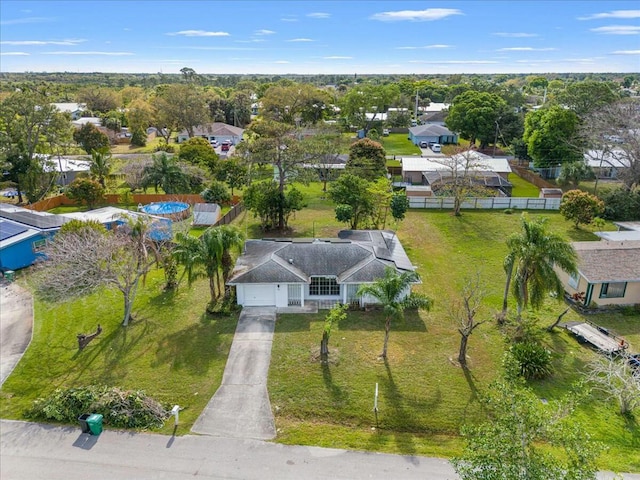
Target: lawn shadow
point(164, 298)
point(338, 395)
point(195, 347)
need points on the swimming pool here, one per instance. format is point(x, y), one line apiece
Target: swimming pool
point(174, 210)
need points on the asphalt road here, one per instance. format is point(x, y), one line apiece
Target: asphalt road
point(16, 323)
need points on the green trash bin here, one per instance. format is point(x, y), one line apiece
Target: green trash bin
point(9, 275)
point(95, 423)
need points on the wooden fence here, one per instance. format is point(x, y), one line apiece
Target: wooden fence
point(489, 203)
point(531, 177)
point(114, 199)
point(231, 214)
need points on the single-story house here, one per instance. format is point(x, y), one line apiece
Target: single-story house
point(292, 272)
point(73, 109)
point(82, 121)
point(608, 273)
point(432, 133)
point(413, 168)
point(606, 164)
point(219, 131)
point(626, 231)
point(24, 232)
point(68, 168)
point(23, 235)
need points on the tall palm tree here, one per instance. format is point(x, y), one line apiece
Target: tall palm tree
point(165, 173)
point(204, 256)
point(533, 253)
point(232, 239)
point(100, 166)
point(391, 291)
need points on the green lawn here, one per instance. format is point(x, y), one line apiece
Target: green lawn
point(177, 353)
point(522, 188)
point(172, 350)
point(424, 397)
point(399, 144)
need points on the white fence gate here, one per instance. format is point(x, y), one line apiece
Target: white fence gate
point(490, 203)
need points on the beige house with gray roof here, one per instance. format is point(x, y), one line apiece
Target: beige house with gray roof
point(608, 273)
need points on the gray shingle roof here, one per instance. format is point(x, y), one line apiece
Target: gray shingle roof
point(605, 261)
point(356, 257)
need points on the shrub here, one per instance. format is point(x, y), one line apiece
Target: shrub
point(533, 360)
point(120, 408)
point(216, 193)
point(620, 204)
point(580, 207)
point(139, 138)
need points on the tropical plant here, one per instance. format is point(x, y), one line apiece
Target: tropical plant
point(534, 361)
point(204, 256)
point(100, 165)
point(216, 193)
point(393, 292)
point(533, 254)
point(165, 173)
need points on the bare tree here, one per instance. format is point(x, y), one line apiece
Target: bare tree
point(460, 178)
point(81, 260)
point(463, 312)
point(614, 377)
point(134, 173)
point(613, 139)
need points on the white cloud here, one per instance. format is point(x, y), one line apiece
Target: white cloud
point(626, 52)
point(580, 60)
point(318, 15)
point(524, 49)
point(300, 40)
point(613, 14)
point(429, 14)
point(14, 54)
point(454, 62)
point(17, 21)
point(198, 33)
point(533, 61)
point(41, 42)
point(282, 61)
point(337, 57)
point(427, 47)
point(515, 34)
point(618, 30)
point(290, 18)
point(264, 32)
point(111, 54)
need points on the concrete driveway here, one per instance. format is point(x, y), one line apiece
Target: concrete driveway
point(16, 326)
point(240, 408)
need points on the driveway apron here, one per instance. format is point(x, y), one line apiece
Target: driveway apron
point(16, 325)
point(240, 408)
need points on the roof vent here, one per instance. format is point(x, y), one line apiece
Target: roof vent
point(291, 261)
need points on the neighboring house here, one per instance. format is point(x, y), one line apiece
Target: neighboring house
point(219, 131)
point(24, 232)
point(626, 231)
point(415, 168)
point(608, 273)
point(432, 133)
point(435, 113)
point(607, 164)
point(73, 109)
point(293, 272)
point(68, 168)
point(80, 122)
point(23, 235)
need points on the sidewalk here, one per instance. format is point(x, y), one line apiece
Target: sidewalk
point(240, 408)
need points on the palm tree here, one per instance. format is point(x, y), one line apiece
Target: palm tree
point(100, 166)
point(232, 239)
point(165, 173)
point(533, 253)
point(391, 291)
point(201, 257)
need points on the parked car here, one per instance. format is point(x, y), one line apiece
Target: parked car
point(214, 143)
point(225, 146)
point(436, 148)
point(424, 144)
point(385, 132)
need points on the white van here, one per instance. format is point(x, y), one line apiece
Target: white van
point(436, 148)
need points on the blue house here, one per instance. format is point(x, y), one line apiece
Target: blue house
point(432, 133)
point(24, 233)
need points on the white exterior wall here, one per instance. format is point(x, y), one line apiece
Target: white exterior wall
point(282, 295)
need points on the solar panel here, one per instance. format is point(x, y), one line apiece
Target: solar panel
point(34, 219)
point(8, 230)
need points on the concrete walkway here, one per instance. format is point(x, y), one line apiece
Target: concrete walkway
point(240, 408)
point(16, 326)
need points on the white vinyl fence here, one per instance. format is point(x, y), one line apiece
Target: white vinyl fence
point(497, 203)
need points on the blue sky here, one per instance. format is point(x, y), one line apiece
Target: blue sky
point(320, 36)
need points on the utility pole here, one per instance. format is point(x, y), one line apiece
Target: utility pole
point(415, 110)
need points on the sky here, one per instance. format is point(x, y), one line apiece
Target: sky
point(320, 37)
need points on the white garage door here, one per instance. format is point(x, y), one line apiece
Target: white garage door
point(259, 295)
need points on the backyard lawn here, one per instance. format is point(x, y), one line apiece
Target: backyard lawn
point(399, 144)
point(177, 353)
